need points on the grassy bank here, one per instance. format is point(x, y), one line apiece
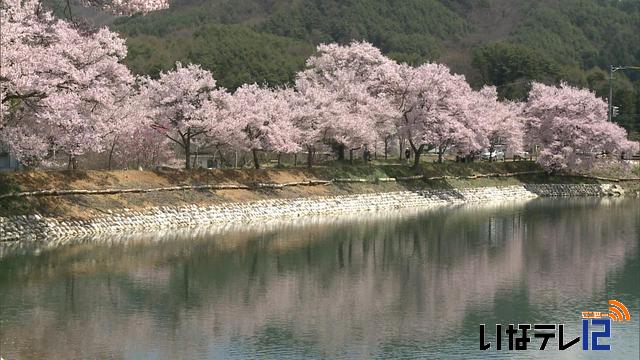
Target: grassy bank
point(83, 206)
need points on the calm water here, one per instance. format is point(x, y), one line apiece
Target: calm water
point(403, 285)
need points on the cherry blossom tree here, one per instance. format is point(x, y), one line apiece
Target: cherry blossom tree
point(344, 86)
point(63, 89)
point(59, 83)
point(500, 122)
point(314, 106)
point(435, 109)
point(187, 106)
point(507, 127)
point(264, 120)
point(141, 147)
point(570, 127)
point(473, 120)
point(129, 135)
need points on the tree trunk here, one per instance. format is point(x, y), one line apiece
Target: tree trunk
point(187, 150)
point(309, 157)
point(351, 156)
point(417, 151)
point(235, 164)
point(73, 163)
point(340, 152)
point(187, 157)
point(256, 161)
point(295, 160)
point(113, 146)
point(279, 159)
point(195, 158)
point(375, 150)
point(153, 158)
point(441, 151)
point(416, 160)
point(386, 148)
point(401, 147)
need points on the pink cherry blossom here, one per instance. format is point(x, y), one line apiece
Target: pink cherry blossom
point(187, 106)
point(436, 110)
point(59, 84)
point(263, 120)
point(64, 90)
point(345, 94)
point(570, 128)
point(501, 122)
point(129, 137)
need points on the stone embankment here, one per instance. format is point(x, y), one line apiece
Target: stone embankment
point(37, 227)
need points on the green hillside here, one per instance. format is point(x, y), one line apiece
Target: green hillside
point(501, 42)
point(235, 54)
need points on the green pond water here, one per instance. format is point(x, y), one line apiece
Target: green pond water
point(409, 284)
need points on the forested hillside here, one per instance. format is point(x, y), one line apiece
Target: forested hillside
point(502, 42)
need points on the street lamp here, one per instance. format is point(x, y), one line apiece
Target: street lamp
point(612, 70)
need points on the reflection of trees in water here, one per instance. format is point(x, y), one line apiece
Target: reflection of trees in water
point(577, 256)
point(325, 286)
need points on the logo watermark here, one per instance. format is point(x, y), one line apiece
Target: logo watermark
point(596, 328)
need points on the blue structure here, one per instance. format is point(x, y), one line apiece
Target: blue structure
point(8, 162)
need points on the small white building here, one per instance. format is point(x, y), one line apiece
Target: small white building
point(204, 161)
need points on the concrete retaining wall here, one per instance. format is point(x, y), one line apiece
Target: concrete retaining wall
point(36, 227)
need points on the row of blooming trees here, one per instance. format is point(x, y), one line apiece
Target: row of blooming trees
point(65, 90)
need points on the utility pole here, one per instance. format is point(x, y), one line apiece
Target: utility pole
point(610, 108)
point(612, 70)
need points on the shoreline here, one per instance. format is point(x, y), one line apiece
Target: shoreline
point(38, 228)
